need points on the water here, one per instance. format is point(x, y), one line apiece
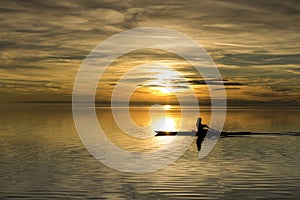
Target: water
point(42, 157)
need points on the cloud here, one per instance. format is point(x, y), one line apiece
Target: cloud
point(48, 40)
point(208, 82)
point(282, 90)
point(255, 59)
point(237, 45)
point(30, 86)
point(293, 71)
point(227, 88)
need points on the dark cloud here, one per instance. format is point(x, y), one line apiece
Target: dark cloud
point(254, 59)
point(18, 67)
point(158, 86)
point(207, 82)
point(228, 88)
point(33, 84)
point(282, 90)
point(58, 57)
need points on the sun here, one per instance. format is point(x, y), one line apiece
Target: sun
point(163, 90)
point(165, 81)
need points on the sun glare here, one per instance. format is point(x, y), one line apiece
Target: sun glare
point(164, 124)
point(165, 81)
point(163, 90)
point(169, 124)
point(167, 107)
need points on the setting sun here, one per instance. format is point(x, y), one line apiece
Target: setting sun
point(165, 81)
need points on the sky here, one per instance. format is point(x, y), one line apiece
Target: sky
point(255, 45)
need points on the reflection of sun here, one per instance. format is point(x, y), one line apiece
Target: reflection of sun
point(164, 124)
point(169, 124)
point(167, 107)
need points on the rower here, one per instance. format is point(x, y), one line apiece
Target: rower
point(201, 133)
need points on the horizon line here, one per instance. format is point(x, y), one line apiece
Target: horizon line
point(144, 103)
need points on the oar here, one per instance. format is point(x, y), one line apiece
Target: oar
point(214, 129)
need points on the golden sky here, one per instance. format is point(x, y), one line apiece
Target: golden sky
point(255, 44)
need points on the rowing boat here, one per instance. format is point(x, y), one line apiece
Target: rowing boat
point(226, 134)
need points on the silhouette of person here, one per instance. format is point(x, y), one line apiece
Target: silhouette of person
point(201, 132)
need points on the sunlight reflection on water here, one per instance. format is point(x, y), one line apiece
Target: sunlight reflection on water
point(42, 157)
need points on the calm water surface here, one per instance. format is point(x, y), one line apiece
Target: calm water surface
point(42, 157)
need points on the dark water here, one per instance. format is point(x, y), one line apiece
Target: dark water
point(42, 157)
